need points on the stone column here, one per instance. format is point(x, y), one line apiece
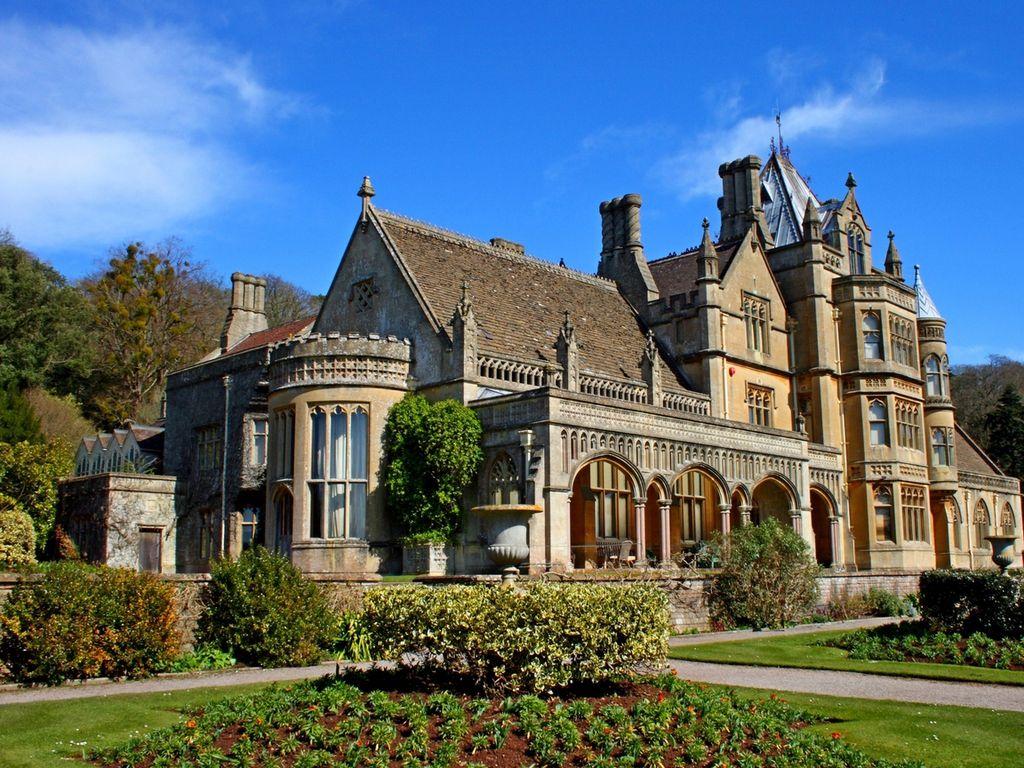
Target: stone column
point(724, 510)
point(797, 521)
point(837, 550)
point(664, 505)
point(744, 514)
point(641, 532)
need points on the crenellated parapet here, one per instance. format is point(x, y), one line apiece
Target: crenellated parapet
point(334, 359)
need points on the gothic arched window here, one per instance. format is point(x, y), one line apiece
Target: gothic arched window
point(1006, 525)
point(878, 423)
point(901, 334)
point(982, 523)
point(871, 327)
point(503, 482)
point(884, 528)
point(933, 376)
point(855, 249)
point(942, 447)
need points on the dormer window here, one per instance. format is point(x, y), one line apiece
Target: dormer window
point(855, 250)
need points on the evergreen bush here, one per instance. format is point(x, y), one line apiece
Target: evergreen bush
point(768, 579)
point(262, 610)
point(965, 602)
point(531, 638)
point(76, 621)
point(17, 536)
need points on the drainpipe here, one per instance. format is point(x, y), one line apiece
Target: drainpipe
point(224, 470)
point(794, 402)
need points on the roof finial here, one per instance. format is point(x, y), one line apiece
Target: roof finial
point(850, 181)
point(893, 262)
point(366, 191)
point(704, 224)
point(783, 149)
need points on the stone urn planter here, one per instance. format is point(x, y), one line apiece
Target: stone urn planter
point(430, 559)
point(1002, 550)
point(505, 528)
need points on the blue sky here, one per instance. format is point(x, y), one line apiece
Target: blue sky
point(245, 129)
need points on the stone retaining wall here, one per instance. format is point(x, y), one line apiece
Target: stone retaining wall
point(685, 595)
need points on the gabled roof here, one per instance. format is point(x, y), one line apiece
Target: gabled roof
point(970, 457)
point(273, 335)
point(784, 198)
point(676, 273)
point(926, 308)
point(519, 301)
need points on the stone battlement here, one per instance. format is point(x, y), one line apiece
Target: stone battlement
point(333, 359)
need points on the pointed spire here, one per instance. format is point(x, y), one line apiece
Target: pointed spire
point(707, 259)
point(812, 222)
point(850, 181)
point(926, 308)
point(893, 262)
point(366, 191)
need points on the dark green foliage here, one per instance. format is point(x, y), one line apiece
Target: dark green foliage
point(882, 602)
point(264, 611)
point(768, 578)
point(1005, 425)
point(332, 723)
point(17, 421)
point(916, 641)
point(530, 638)
point(43, 324)
point(29, 475)
point(976, 390)
point(75, 622)
point(965, 602)
point(205, 657)
point(431, 453)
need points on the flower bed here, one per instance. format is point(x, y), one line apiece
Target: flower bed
point(914, 641)
point(650, 722)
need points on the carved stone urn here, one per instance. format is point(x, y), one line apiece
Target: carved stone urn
point(1002, 550)
point(505, 528)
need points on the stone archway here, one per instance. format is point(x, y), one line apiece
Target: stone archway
point(695, 512)
point(657, 497)
point(822, 513)
point(940, 530)
point(602, 513)
point(771, 498)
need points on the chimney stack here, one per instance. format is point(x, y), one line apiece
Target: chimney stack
point(740, 202)
point(247, 313)
point(622, 251)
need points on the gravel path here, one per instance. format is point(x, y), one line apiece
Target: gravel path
point(855, 685)
point(800, 629)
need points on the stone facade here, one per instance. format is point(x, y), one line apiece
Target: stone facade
point(769, 372)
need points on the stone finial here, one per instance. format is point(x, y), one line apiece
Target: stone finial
point(707, 259)
point(812, 222)
point(850, 181)
point(650, 364)
point(651, 346)
point(567, 353)
point(366, 191)
point(893, 262)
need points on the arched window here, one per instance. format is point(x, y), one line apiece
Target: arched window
point(690, 493)
point(283, 521)
point(503, 482)
point(755, 318)
point(338, 472)
point(871, 327)
point(884, 528)
point(908, 424)
point(933, 377)
point(954, 513)
point(982, 524)
point(901, 333)
point(250, 527)
point(855, 249)
point(942, 447)
point(912, 506)
point(878, 423)
point(1006, 525)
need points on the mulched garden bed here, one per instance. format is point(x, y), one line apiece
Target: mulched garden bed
point(382, 720)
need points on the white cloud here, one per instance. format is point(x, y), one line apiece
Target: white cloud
point(857, 111)
point(106, 136)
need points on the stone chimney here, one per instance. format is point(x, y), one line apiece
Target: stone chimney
point(740, 203)
point(247, 313)
point(622, 251)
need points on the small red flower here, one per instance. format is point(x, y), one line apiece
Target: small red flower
point(836, 735)
point(190, 724)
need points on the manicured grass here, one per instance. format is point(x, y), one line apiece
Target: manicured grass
point(938, 736)
point(47, 733)
point(393, 578)
point(802, 651)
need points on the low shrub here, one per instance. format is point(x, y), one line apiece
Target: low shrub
point(768, 578)
point(530, 638)
point(882, 602)
point(965, 602)
point(261, 609)
point(17, 536)
point(202, 658)
point(77, 622)
point(916, 641)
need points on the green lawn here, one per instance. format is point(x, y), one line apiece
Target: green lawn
point(46, 734)
point(802, 651)
point(938, 736)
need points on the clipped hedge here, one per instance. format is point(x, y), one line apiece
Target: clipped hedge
point(966, 602)
point(78, 621)
point(533, 637)
point(261, 609)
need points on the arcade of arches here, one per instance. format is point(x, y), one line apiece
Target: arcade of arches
point(613, 521)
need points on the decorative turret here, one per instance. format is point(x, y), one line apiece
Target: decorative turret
point(622, 251)
point(938, 405)
point(812, 222)
point(893, 263)
point(707, 260)
point(568, 355)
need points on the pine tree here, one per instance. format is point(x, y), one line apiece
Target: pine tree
point(1005, 425)
point(18, 423)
